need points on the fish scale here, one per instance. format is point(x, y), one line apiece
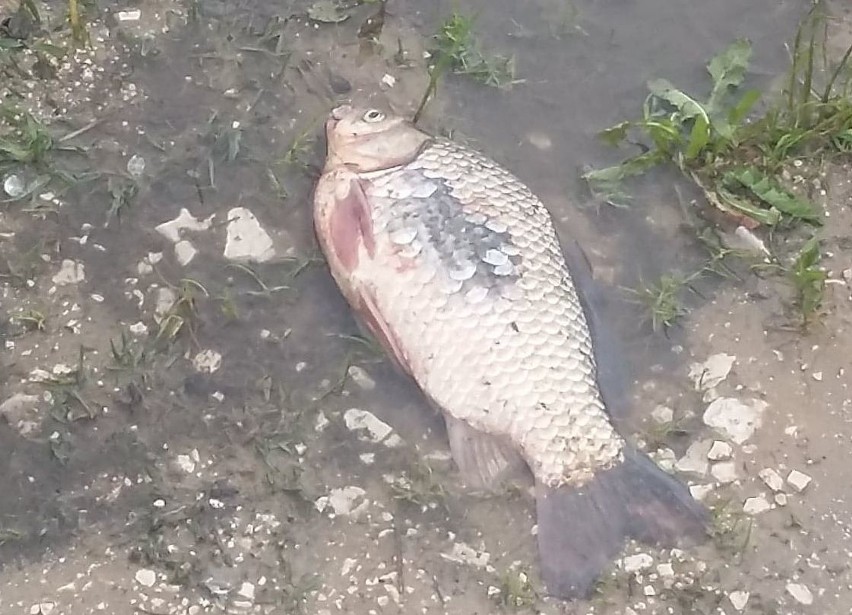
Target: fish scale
point(508, 363)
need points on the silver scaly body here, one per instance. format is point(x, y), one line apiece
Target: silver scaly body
point(469, 274)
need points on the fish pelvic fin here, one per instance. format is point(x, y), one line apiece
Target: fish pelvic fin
point(581, 530)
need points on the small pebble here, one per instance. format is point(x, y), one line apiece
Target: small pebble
point(772, 479)
point(738, 599)
point(798, 480)
point(756, 505)
point(720, 451)
point(146, 577)
point(800, 593)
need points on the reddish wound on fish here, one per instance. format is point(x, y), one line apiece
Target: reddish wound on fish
point(351, 225)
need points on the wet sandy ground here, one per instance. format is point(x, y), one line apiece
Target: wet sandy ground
point(266, 459)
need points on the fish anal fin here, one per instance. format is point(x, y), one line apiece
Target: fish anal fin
point(485, 462)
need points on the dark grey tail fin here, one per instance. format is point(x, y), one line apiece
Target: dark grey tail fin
point(580, 531)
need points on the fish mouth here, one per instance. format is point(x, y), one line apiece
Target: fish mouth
point(334, 118)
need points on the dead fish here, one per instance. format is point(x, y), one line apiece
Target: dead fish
point(455, 267)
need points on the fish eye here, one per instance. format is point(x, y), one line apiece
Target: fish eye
point(374, 115)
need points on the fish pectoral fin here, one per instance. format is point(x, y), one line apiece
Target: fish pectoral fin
point(351, 224)
point(485, 462)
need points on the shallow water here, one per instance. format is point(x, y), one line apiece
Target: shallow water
point(202, 86)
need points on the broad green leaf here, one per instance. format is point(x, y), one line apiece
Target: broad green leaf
point(688, 108)
point(664, 132)
point(698, 137)
point(770, 217)
point(615, 134)
point(728, 70)
point(770, 192)
point(739, 112)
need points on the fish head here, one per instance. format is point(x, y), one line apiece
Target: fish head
point(370, 139)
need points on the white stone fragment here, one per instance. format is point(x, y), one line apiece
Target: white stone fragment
point(166, 298)
point(246, 239)
point(662, 414)
point(349, 501)
point(171, 230)
point(360, 377)
point(665, 570)
point(185, 463)
point(735, 419)
point(798, 480)
point(133, 15)
point(738, 599)
point(712, 372)
point(207, 361)
point(800, 593)
point(463, 553)
point(720, 451)
point(246, 590)
point(70, 272)
point(699, 492)
point(635, 563)
point(756, 505)
point(725, 472)
point(146, 577)
point(370, 428)
point(695, 459)
point(772, 479)
point(185, 252)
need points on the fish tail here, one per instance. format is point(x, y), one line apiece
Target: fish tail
point(580, 530)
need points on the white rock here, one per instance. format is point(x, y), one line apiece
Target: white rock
point(207, 361)
point(712, 372)
point(246, 590)
point(756, 505)
point(734, 419)
point(798, 480)
point(725, 472)
point(772, 479)
point(649, 590)
point(738, 599)
point(695, 459)
point(720, 451)
point(347, 501)
point(370, 427)
point(360, 377)
point(185, 463)
point(665, 458)
point(246, 239)
point(138, 328)
point(800, 593)
point(781, 499)
point(166, 298)
point(662, 414)
point(19, 407)
point(666, 571)
point(185, 252)
point(463, 553)
point(46, 608)
point(70, 272)
point(133, 15)
point(146, 577)
point(699, 492)
point(635, 563)
point(146, 265)
point(171, 230)
point(540, 140)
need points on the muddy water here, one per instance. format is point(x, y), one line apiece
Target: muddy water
point(221, 102)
